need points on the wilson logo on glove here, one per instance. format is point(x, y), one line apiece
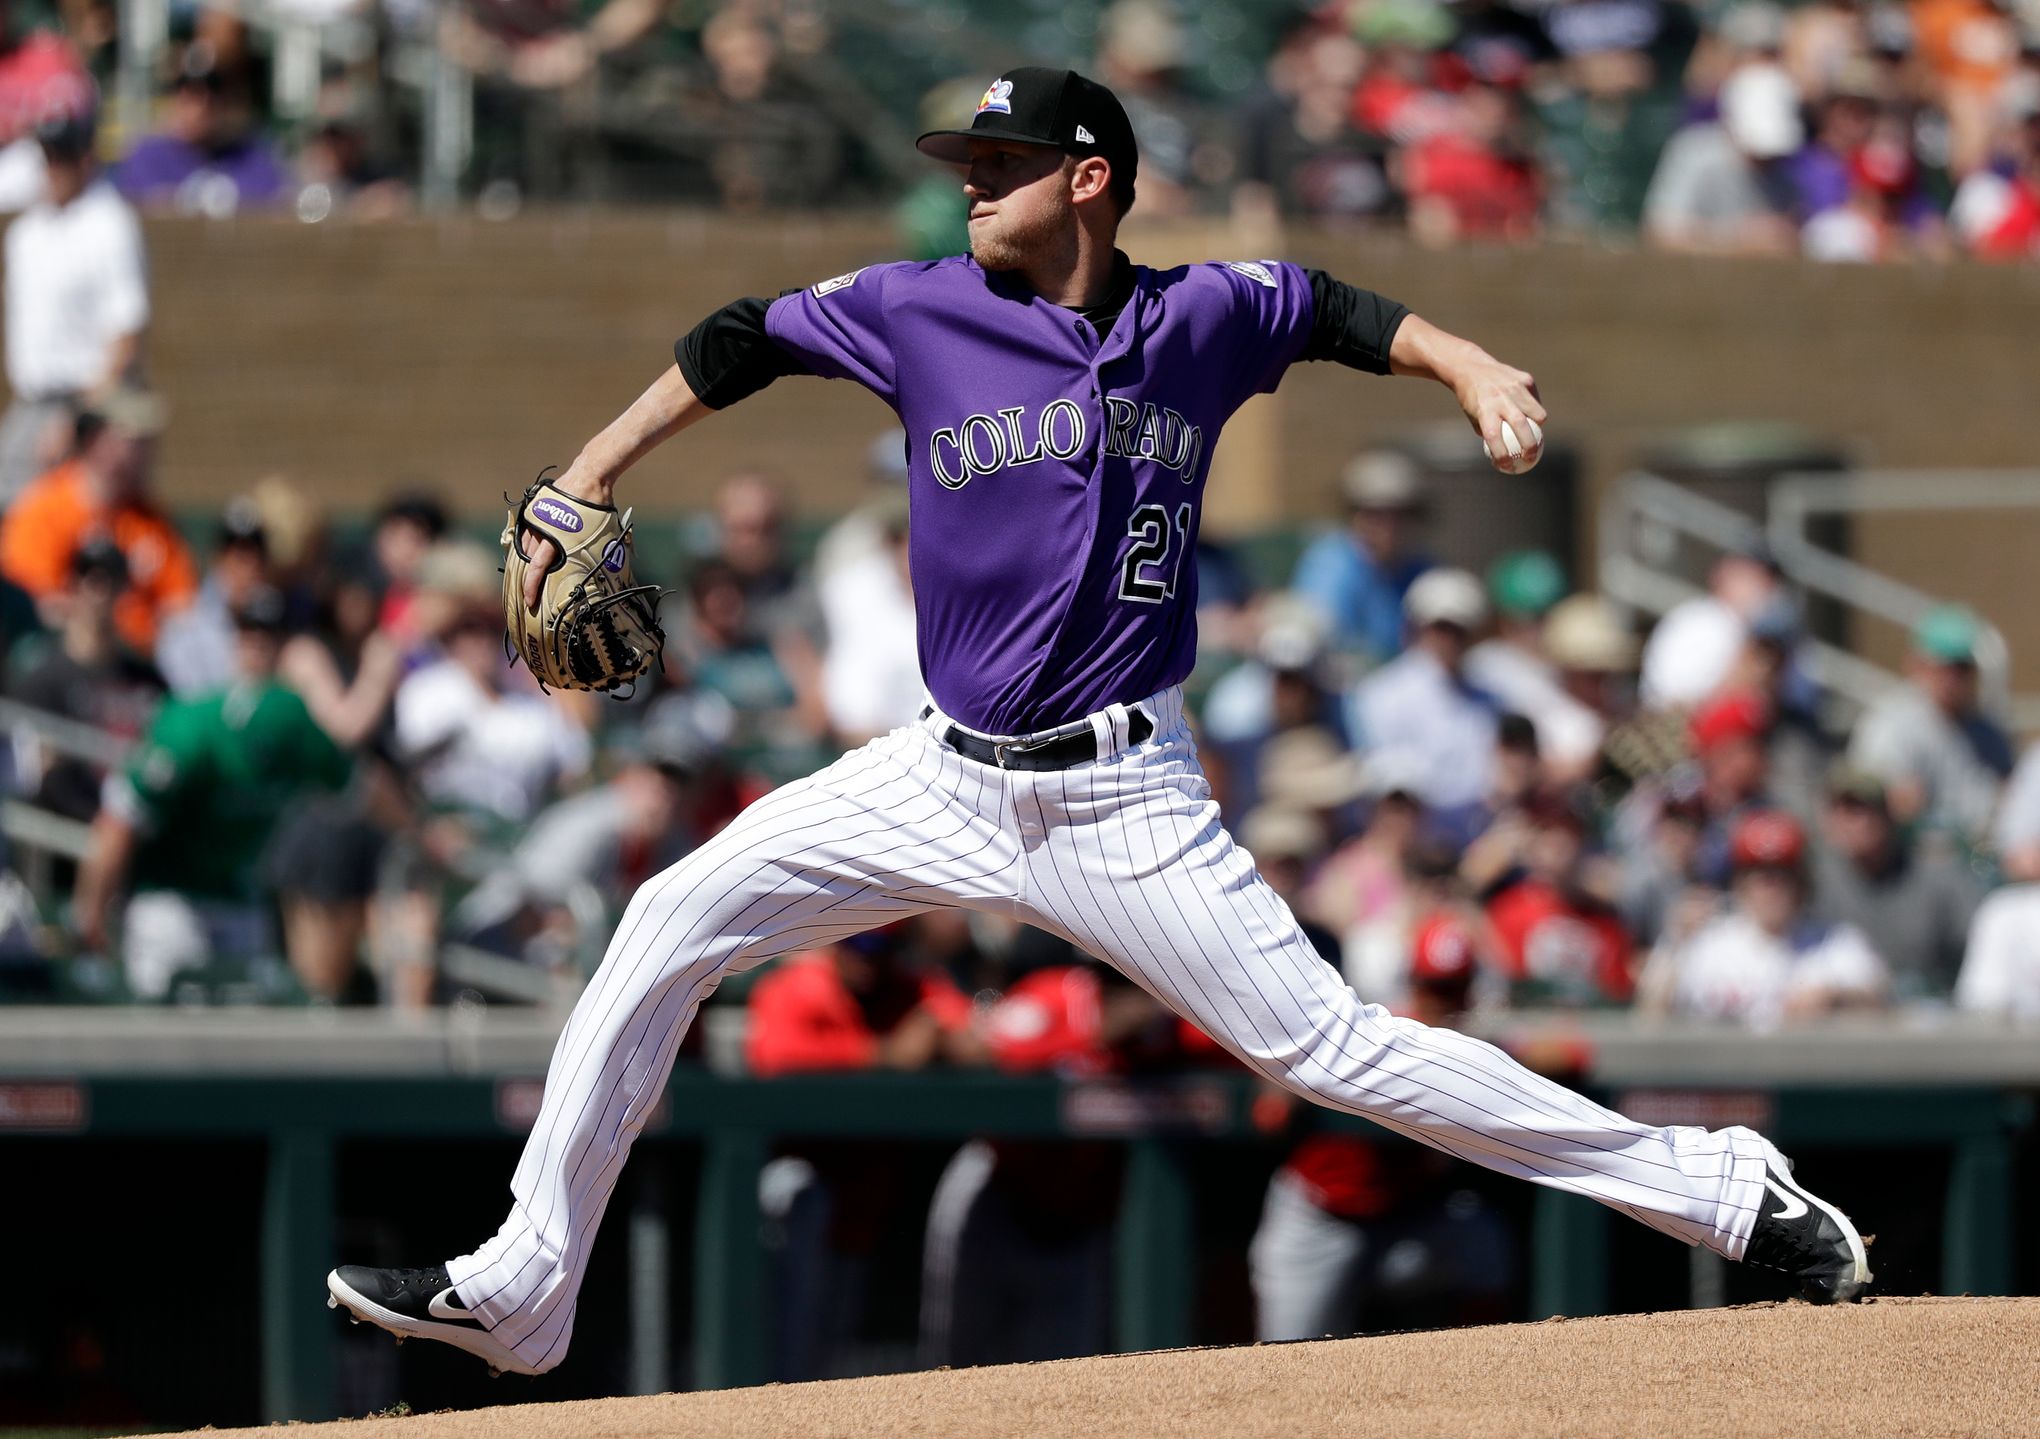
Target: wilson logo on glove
point(594, 629)
point(561, 516)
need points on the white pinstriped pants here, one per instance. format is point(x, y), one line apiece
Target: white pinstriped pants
point(1124, 857)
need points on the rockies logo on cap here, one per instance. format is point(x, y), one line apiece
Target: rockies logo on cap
point(1057, 108)
point(997, 96)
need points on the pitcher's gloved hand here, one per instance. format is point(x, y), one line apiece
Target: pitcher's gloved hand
point(594, 627)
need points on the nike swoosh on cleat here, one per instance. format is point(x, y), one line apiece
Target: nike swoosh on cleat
point(445, 1304)
point(1794, 1206)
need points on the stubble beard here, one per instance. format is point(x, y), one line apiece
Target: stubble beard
point(1023, 244)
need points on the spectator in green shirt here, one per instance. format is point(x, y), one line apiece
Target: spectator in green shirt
point(185, 824)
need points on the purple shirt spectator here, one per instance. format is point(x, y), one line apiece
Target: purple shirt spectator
point(166, 171)
point(207, 159)
point(1821, 179)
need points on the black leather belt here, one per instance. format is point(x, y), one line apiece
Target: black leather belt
point(1059, 752)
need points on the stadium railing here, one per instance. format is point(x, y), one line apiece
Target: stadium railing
point(304, 1083)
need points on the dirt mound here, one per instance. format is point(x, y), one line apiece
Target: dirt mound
point(1892, 1366)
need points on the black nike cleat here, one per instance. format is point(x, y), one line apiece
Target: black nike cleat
point(418, 1303)
point(1800, 1234)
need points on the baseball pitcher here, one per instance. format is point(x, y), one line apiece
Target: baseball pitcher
point(1061, 405)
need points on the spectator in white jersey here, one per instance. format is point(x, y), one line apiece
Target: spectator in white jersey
point(77, 303)
point(1767, 959)
point(1694, 649)
point(2001, 966)
point(478, 739)
point(871, 671)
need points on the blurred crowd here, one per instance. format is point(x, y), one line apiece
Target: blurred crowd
point(310, 772)
point(301, 770)
point(1844, 130)
point(282, 758)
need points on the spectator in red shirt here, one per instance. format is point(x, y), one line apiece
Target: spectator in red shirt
point(2011, 230)
point(1731, 738)
point(406, 529)
point(1471, 178)
point(40, 79)
point(1019, 1249)
point(1560, 940)
point(1362, 1235)
point(856, 1005)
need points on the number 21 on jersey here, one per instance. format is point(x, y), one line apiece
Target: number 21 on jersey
point(1148, 575)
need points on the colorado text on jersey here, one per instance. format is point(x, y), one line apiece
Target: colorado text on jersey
point(981, 444)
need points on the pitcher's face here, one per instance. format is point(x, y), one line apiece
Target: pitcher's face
point(1020, 205)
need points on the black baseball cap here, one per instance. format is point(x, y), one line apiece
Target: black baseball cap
point(65, 135)
point(1058, 108)
point(241, 524)
point(100, 558)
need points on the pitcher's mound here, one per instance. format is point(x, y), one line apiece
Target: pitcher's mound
point(1891, 1366)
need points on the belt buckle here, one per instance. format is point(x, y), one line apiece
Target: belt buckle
point(1004, 747)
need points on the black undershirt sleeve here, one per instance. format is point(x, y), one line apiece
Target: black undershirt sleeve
point(728, 356)
point(1352, 326)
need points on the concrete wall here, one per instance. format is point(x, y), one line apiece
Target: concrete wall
point(468, 355)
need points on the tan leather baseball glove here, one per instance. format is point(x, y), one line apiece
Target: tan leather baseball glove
point(594, 628)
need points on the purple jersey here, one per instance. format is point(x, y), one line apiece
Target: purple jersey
point(1057, 475)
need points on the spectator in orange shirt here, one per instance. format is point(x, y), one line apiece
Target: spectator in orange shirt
point(101, 492)
point(1970, 47)
point(860, 1004)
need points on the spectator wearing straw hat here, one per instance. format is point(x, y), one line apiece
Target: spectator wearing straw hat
point(1516, 666)
point(1593, 653)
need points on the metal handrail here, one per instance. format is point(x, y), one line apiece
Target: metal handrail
point(506, 978)
point(71, 738)
point(45, 830)
point(1646, 498)
point(1636, 584)
point(1796, 497)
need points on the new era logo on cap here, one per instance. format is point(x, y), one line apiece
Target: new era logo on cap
point(1085, 137)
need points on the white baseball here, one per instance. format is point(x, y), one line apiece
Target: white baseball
point(1517, 456)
